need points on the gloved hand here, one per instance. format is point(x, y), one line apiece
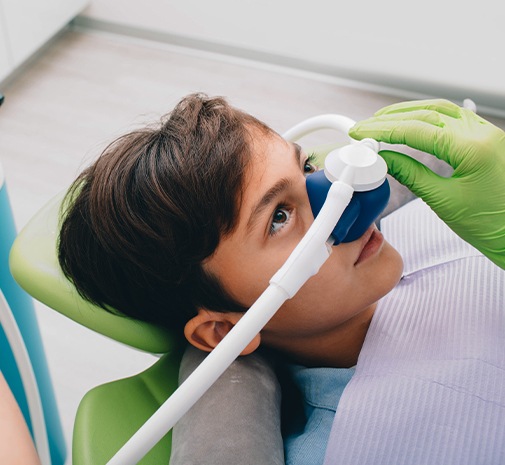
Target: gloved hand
point(472, 200)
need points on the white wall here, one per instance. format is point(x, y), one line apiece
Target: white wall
point(429, 46)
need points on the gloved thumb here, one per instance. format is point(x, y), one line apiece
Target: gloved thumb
point(421, 180)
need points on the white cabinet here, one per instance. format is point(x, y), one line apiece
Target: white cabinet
point(5, 61)
point(25, 25)
point(5, 64)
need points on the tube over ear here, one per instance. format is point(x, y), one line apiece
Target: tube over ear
point(206, 330)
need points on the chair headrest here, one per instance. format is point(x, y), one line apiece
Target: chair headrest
point(34, 265)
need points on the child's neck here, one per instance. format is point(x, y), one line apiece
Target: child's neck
point(336, 349)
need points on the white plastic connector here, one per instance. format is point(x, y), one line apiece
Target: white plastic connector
point(469, 104)
point(368, 169)
point(359, 165)
point(371, 143)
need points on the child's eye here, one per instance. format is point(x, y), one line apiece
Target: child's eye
point(280, 218)
point(309, 166)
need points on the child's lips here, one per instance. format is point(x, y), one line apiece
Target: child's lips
point(371, 243)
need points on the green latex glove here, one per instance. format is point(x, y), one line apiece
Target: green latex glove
point(472, 200)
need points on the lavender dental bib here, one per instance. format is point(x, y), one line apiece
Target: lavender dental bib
point(429, 386)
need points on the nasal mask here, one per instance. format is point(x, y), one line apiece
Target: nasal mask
point(346, 197)
point(356, 165)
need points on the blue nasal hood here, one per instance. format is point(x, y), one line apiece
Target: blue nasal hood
point(363, 209)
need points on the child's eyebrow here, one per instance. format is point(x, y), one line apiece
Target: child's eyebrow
point(280, 186)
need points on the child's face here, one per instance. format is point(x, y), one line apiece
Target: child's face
point(274, 215)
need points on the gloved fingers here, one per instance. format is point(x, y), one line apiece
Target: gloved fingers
point(423, 133)
point(445, 107)
point(386, 124)
point(422, 181)
point(424, 130)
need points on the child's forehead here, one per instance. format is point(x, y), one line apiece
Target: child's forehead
point(266, 144)
point(274, 164)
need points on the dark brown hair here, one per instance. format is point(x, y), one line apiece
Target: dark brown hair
point(139, 222)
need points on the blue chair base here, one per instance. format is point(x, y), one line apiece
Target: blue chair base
point(22, 308)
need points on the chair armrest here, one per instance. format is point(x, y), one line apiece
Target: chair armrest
point(111, 413)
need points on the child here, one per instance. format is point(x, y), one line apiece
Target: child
point(183, 225)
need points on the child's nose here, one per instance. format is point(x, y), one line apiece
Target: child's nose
point(362, 211)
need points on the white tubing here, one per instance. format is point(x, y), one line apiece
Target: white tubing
point(337, 122)
point(312, 251)
point(28, 379)
point(202, 378)
point(305, 261)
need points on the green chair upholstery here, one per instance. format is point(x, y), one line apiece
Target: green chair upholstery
point(34, 265)
point(109, 414)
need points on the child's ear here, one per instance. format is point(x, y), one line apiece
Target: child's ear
point(206, 330)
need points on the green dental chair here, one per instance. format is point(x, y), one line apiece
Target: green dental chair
point(126, 402)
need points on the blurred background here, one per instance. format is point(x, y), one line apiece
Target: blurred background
point(78, 73)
